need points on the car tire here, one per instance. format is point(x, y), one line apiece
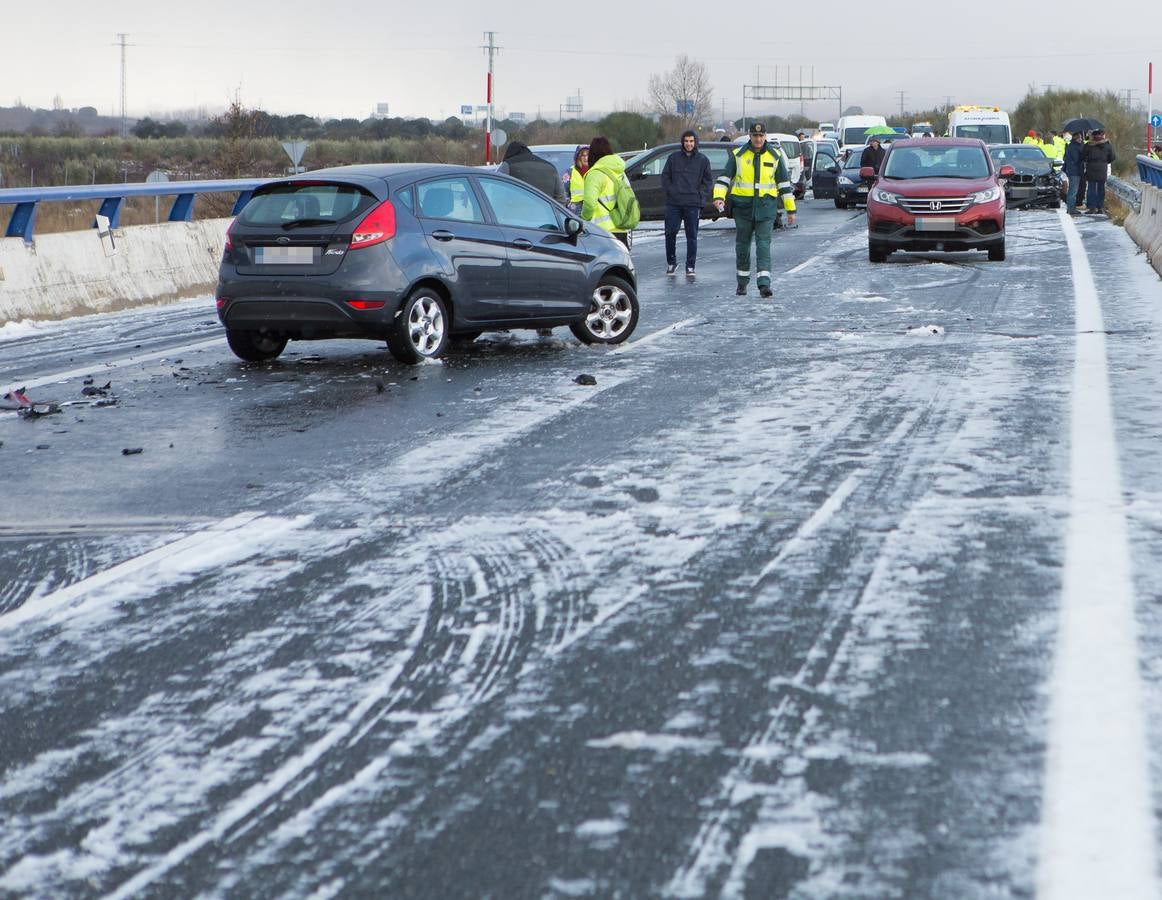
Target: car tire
point(1056, 204)
point(840, 204)
point(612, 314)
point(420, 331)
point(997, 252)
point(255, 346)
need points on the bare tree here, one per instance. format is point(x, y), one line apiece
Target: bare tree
point(684, 91)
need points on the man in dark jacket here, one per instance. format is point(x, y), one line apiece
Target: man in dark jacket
point(1074, 171)
point(873, 155)
point(522, 164)
point(686, 183)
point(1098, 155)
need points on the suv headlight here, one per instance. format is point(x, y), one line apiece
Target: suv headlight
point(883, 196)
point(986, 196)
point(844, 180)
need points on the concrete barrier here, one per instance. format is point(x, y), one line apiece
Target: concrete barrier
point(81, 272)
point(1145, 225)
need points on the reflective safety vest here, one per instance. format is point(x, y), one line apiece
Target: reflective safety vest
point(576, 186)
point(762, 174)
point(1029, 139)
point(1058, 148)
point(1153, 154)
point(600, 191)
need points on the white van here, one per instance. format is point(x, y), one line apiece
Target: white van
point(853, 130)
point(989, 123)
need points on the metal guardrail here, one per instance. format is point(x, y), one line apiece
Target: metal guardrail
point(1126, 192)
point(112, 197)
point(1150, 170)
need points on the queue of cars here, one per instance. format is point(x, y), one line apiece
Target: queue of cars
point(422, 255)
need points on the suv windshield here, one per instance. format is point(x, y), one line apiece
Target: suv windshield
point(855, 135)
point(937, 162)
point(291, 203)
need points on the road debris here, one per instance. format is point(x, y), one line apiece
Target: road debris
point(585, 379)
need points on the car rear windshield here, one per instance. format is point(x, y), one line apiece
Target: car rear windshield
point(855, 135)
point(937, 162)
point(791, 148)
point(295, 202)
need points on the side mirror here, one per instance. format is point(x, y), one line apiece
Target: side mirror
point(573, 227)
point(867, 172)
point(1006, 171)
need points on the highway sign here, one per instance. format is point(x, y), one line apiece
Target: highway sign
point(465, 109)
point(1156, 121)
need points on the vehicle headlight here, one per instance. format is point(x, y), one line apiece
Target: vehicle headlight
point(844, 180)
point(885, 196)
point(986, 196)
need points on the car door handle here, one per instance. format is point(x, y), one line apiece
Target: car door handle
point(523, 243)
point(442, 235)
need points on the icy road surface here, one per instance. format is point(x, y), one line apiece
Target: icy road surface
point(853, 594)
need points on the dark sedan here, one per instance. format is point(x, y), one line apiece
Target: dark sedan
point(415, 255)
point(644, 172)
point(1037, 179)
point(850, 189)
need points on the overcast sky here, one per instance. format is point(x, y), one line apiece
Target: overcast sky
point(424, 58)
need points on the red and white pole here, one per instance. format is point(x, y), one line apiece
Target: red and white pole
point(1149, 106)
point(488, 116)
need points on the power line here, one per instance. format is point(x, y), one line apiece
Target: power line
point(124, 90)
point(902, 94)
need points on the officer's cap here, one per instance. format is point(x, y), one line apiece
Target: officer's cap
point(758, 128)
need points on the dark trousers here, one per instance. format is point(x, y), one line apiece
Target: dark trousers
point(1081, 190)
point(1095, 195)
point(686, 216)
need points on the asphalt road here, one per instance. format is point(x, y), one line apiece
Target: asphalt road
point(773, 610)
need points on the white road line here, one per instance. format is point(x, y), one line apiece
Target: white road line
point(803, 265)
point(98, 367)
point(1097, 831)
point(662, 332)
point(92, 590)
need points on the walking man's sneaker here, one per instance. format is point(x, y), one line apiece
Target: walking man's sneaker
point(671, 268)
point(766, 292)
point(689, 271)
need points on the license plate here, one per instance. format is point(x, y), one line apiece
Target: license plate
point(862, 189)
point(284, 256)
point(935, 223)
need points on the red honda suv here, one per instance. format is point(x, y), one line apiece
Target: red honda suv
point(936, 194)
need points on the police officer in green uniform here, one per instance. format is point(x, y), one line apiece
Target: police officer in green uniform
point(757, 180)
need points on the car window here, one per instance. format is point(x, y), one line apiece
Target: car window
point(517, 207)
point(853, 160)
point(448, 198)
point(791, 148)
point(718, 157)
point(824, 160)
point(289, 202)
point(655, 165)
point(937, 162)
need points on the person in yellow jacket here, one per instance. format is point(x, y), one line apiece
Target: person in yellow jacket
point(758, 182)
point(605, 167)
point(1055, 147)
point(1031, 138)
point(577, 178)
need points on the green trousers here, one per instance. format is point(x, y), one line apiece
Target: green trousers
point(746, 229)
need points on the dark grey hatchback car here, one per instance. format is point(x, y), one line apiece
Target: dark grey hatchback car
point(418, 256)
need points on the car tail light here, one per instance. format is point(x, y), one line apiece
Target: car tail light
point(367, 304)
point(377, 226)
point(222, 301)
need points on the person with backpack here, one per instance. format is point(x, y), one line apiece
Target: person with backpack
point(609, 201)
point(686, 183)
point(757, 182)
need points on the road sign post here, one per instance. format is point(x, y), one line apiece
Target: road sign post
point(294, 151)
